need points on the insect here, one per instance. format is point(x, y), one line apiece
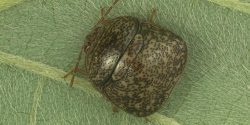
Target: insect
point(134, 64)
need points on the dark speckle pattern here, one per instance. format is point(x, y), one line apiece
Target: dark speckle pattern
point(135, 65)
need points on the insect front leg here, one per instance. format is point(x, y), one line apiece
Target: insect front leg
point(75, 69)
point(105, 12)
point(151, 19)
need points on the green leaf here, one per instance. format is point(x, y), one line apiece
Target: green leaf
point(40, 40)
point(242, 5)
point(4, 4)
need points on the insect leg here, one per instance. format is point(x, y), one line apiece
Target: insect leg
point(75, 68)
point(152, 16)
point(104, 12)
point(114, 108)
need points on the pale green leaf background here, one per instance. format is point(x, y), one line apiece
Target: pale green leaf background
point(40, 40)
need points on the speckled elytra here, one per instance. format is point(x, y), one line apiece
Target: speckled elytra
point(134, 64)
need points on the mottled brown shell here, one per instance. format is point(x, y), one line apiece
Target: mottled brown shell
point(134, 64)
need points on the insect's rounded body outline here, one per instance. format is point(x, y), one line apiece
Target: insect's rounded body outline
point(134, 64)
